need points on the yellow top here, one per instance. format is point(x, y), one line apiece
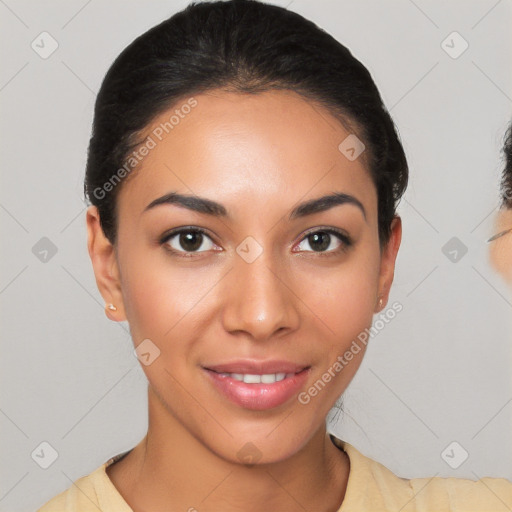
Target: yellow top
point(371, 487)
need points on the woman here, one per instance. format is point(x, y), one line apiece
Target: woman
point(244, 176)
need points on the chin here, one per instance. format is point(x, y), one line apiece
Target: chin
point(258, 449)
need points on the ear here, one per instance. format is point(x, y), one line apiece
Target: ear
point(104, 262)
point(387, 263)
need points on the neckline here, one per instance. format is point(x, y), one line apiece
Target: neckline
point(351, 454)
point(120, 501)
point(116, 458)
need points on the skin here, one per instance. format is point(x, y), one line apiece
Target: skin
point(501, 248)
point(259, 156)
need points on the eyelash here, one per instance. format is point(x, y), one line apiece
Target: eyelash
point(346, 241)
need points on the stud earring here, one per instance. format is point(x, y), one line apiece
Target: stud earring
point(380, 303)
point(111, 307)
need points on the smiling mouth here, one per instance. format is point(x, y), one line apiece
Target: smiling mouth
point(257, 367)
point(254, 378)
point(258, 391)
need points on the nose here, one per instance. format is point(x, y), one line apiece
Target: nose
point(258, 300)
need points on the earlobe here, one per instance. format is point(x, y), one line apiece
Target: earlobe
point(105, 266)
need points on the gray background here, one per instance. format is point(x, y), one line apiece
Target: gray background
point(439, 372)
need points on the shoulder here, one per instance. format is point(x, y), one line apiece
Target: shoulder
point(89, 493)
point(459, 494)
point(372, 486)
point(82, 495)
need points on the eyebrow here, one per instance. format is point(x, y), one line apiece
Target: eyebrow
point(209, 207)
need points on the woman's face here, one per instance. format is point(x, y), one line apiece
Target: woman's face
point(257, 292)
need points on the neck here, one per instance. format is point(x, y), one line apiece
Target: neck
point(172, 470)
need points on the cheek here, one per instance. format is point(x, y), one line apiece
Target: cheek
point(154, 296)
point(342, 305)
point(500, 250)
point(163, 300)
point(345, 298)
point(501, 256)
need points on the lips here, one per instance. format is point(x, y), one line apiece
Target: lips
point(238, 382)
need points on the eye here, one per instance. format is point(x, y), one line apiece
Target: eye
point(327, 240)
point(188, 240)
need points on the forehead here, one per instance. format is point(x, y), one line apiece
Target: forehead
point(250, 148)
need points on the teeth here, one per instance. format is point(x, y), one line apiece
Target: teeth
point(252, 379)
point(248, 378)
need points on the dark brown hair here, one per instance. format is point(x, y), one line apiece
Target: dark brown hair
point(249, 47)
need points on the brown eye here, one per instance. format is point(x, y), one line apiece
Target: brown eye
point(319, 241)
point(327, 240)
point(189, 240)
